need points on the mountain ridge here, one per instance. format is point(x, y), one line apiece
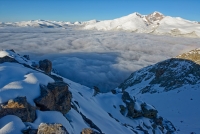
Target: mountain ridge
point(173, 82)
point(30, 83)
point(154, 23)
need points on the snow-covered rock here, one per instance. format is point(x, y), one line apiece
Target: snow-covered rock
point(155, 23)
point(172, 86)
point(101, 112)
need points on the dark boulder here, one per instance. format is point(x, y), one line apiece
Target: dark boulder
point(54, 97)
point(148, 112)
point(7, 59)
point(19, 107)
point(45, 65)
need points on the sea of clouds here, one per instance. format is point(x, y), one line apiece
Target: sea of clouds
point(94, 58)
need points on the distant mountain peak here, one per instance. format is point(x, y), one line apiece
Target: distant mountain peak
point(154, 17)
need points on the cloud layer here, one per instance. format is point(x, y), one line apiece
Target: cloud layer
point(94, 58)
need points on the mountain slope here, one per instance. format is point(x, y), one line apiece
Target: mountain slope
point(155, 23)
point(108, 113)
point(172, 86)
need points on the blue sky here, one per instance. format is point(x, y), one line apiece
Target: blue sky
point(82, 10)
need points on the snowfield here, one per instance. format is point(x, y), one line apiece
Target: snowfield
point(104, 54)
point(102, 109)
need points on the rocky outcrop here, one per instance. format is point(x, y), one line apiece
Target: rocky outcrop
point(154, 17)
point(148, 112)
point(54, 97)
point(45, 65)
point(7, 59)
point(29, 131)
point(19, 107)
point(89, 131)
point(135, 110)
point(96, 90)
point(51, 129)
point(26, 57)
point(193, 55)
point(167, 75)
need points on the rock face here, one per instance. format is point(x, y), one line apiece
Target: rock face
point(19, 107)
point(135, 110)
point(54, 97)
point(148, 112)
point(169, 74)
point(88, 131)
point(7, 59)
point(193, 55)
point(154, 17)
point(51, 129)
point(45, 65)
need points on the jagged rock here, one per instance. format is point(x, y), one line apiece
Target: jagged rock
point(54, 97)
point(169, 75)
point(130, 103)
point(51, 129)
point(113, 91)
point(7, 59)
point(27, 57)
point(45, 65)
point(148, 112)
point(89, 131)
point(96, 90)
point(30, 131)
point(193, 55)
point(122, 109)
point(19, 107)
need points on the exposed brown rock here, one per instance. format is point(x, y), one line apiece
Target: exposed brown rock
point(51, 129)
point(45, 65)
point(154, 17)
point(54, 97)
point(19, 107)
point(89, 131)
point(193, 55)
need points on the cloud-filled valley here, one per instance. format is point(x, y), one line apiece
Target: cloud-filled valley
point(94, 58)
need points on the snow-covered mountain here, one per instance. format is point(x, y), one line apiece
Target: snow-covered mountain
point(30, 94)
point(155, 23)
point(172, 86)
point(37, 23)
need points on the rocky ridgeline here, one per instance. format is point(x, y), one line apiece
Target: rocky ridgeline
point(193, 55)
point(169, 74)
point(134, 109)
point(57, 97)
point(54, 97)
